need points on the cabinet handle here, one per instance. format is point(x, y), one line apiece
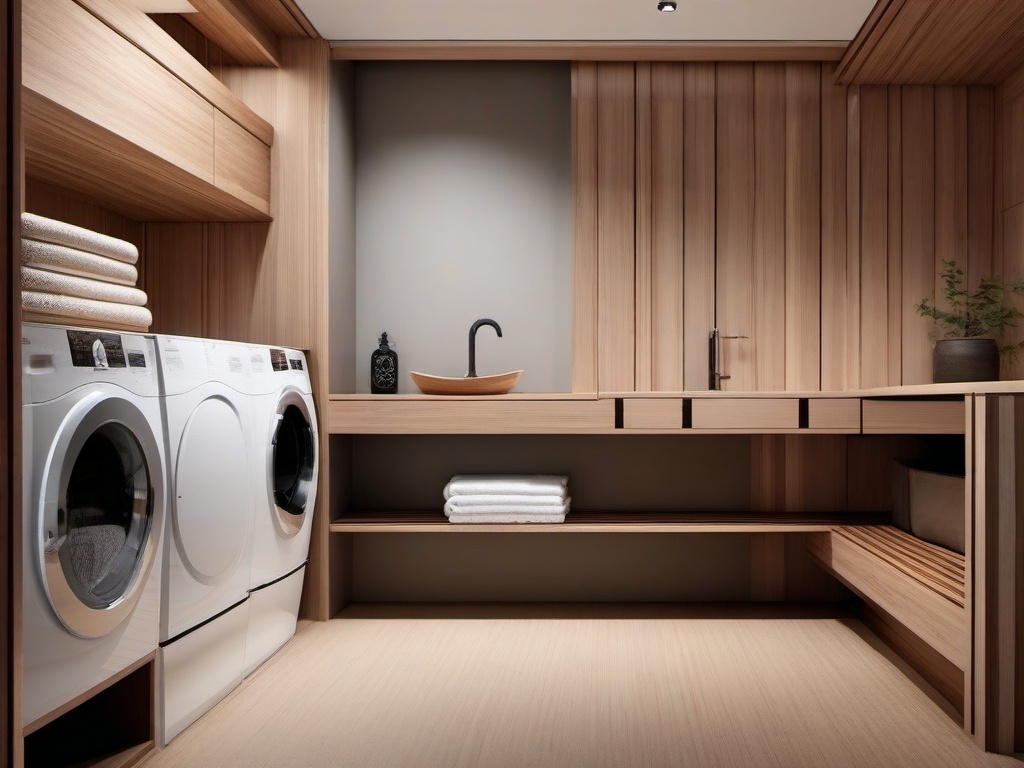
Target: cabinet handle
point(715, 376)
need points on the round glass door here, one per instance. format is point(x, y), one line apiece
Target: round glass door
point(293, 462)
point(103, 489)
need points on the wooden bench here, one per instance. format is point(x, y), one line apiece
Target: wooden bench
point(918, 584)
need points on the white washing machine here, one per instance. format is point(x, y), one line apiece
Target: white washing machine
point(287, 457)
point(94, 488)
point(204, 613)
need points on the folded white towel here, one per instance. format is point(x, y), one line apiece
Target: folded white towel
point(506, 485)
point(71, 261)
point(43, 280)
point(506, 509)
point(468, 503)
point(52, 231)
point(69, 310)
point(520, 517)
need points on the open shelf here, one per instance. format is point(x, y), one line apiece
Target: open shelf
point(603, 522)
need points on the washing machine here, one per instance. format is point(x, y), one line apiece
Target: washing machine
point(94, 488)
point(204, 611)
point(287, 454)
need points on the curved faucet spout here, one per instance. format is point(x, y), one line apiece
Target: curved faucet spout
point(472, 342)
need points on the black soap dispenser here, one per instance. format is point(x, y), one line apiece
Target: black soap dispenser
point(384, 368)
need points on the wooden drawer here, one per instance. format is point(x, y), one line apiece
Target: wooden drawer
point(914, 417)
point(834, 414)
point(652, 413)
point(746, 413)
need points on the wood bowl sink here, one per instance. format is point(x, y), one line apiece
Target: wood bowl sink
point(496, 384)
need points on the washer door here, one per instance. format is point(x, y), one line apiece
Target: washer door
point(102, 488)
point(292, 462)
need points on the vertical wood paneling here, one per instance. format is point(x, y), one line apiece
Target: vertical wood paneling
point(853, 250)
point(894, 339)
point(874, 236)
point(188, 243)
point(584, 227)
point(950, 182)
point(980, 188)
point(834, 317)
point(615, 227)
point(803, 226)
point(771, 299)
point(699, 237)
point(735, 222)
point(643, 262)
point(668, 299)
point(918, 228)
point(768, 495)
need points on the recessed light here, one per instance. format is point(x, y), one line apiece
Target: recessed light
point(666, 6)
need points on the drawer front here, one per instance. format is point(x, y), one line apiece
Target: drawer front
point(652, 413)
point(837, 414)
point(746, 413)
point(914, 417)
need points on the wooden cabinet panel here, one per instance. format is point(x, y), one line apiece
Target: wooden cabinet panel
point(746, 413)
point(834, 413)
point(914, 417)
point(241, 163)
point(652, 413)
point(71, 58)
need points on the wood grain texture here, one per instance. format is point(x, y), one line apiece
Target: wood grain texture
point(768, 567)
point(619, 702)
point(584, 227)
point(908, 595)
point(170, 276)
point(950, 184)
point(668, 228)
point(241, 163)
point(918, 228)
point(642, 205)
point(768, 464)
point(11, 206)
point(770, 291)
point(284, 17)
point(734, 281)
point(469, 416)
point(699, 215)
point(742, 414)
point(585, 50)
point(616, 296)
point(945, 42)
point(652, 413)
point(981, 171)
point(237, 30)
point(803, 226)
point(920, 417)
point(874, 238)
point(895, 225)
point(834, 266)
point(853, 233)
point(834, 414)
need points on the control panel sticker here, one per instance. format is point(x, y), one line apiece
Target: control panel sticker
point(278, 360)
point(257, 362)
point(96, 350)
point(136, 360)
point(296, 365)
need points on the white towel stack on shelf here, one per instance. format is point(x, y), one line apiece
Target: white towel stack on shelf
point(75, 276)
point(506, 499)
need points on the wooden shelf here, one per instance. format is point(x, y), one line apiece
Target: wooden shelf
point(601, 522)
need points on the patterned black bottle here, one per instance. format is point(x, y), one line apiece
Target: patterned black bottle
point(383, 368)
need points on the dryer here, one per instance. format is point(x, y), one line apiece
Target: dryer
point(287, 459)
point(94, 499)
point(204, 613)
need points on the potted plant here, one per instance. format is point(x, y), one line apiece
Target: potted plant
point(969, 351)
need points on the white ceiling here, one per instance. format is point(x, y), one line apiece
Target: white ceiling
point(586, 19)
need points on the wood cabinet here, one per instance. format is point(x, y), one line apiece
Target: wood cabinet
point(106, 117)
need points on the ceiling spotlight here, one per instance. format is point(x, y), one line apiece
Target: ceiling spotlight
point(666, 6)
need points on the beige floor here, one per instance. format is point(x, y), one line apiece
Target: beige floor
point(386, 687)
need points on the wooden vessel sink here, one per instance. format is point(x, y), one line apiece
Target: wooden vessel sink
point(496, 384)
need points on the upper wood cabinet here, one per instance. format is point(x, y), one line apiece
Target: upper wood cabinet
point(115, 110)
point(764, 200)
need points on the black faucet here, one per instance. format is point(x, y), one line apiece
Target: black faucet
point(472, 342)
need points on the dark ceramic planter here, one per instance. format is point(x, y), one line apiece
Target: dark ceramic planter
point(965, 360)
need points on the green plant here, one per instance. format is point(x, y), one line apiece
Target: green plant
point(972, 314)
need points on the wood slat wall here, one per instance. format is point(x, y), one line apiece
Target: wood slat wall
point(773, 204)
point(1008, 247)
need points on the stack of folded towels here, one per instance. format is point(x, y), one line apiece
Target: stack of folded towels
point(506, 499)
point(75, 276)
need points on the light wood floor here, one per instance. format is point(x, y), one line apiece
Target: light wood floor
point(380, 687)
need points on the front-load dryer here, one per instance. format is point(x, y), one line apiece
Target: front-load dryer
point(287, 461)
point(204, 613)
point(94, 498)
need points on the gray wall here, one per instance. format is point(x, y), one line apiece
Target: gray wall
point(463, 211)
point(342, 227)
